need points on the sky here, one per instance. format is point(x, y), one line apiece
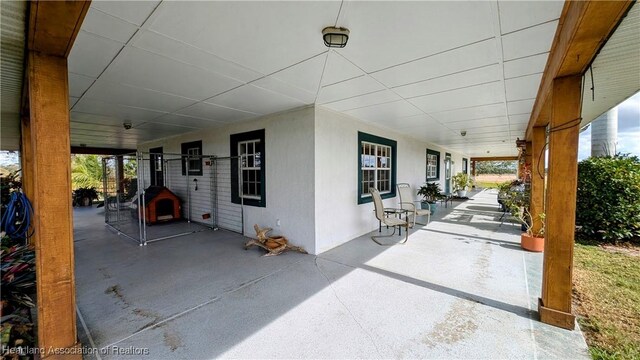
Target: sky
point(628, 130)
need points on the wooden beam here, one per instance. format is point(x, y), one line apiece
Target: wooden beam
point(536, 205)
point(51, 179)
point(583, 29)
point(495, 158)
point(555, 304)
point(52, 29)
point(526, 166)
point(87, 150)
point(54, 25)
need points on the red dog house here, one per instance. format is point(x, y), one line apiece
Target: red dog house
point(160, 205)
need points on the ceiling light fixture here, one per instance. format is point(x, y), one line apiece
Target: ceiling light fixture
point(335, 37)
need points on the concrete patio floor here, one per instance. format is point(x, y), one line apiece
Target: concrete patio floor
point(460, 288)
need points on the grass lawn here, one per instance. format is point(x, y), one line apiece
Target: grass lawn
point(607, 299)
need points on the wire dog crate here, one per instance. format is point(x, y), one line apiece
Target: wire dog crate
point(157, 196)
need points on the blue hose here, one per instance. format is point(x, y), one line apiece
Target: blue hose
point(16, 220)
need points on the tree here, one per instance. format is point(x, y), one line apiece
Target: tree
point(496, 167)
point(86, 171)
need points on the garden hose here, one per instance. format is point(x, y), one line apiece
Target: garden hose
point(16, 220)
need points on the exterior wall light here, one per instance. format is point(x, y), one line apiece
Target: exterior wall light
point(335, 37)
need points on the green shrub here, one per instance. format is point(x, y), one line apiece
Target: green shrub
point(608, 204)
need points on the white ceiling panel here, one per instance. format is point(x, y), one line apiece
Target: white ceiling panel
point(305, 75)
point(78, 84)
point(438, 70)
point(434, 133)
point(263, 36)
point(213, 112)
point(463, 125)
point(520, 129)
point(524, 87)
point(525, 66)
point(256, 100)
point(133, 96)
point(350, 88)
point(339, 69)
point(520, 106)
point(516, 15)
point(378, 97)
point(386, 34)
point(91, 54)
point(450, 62)
point(459, 80)
point(108, 26)
point(475, 112)
point(519, 119)
point(135, 12)
point(616, 69)
point(417, 121)
point(479, 123)
point(151, 71)
point(530, 41)
point(122, 112)
point(384, 112)
point(184, 120)
point(163, 128)
point(423, 125)
point(281, 87)
point(466, 97)
point(103, 128)
point(500, 135)
point(188, 54)
point(109, 120)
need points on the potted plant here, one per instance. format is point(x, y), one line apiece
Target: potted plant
point(460, 183)
point(518, 204)
point(84, 196)
point(430, 193)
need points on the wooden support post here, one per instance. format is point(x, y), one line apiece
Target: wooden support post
point(527, 161)
point(49, 143)
point(473, 168)
point(120, 172)
point(537, 177)
point(555, 305)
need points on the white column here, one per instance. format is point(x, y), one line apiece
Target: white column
point(604, 134)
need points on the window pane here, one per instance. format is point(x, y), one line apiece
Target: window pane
point(257, 162)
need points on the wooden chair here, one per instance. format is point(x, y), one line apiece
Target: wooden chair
point(389, 221)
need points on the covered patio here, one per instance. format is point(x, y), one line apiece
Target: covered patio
point(409, 100)
point(460, 288)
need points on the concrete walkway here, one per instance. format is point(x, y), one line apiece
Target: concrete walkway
point(460, 288)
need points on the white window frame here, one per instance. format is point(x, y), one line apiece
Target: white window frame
point(432, 166)
point(387, 154)
point(244, 157)
point(193, 154)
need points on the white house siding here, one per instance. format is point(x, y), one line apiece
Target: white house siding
point(339, 218)
point(229, 214)
point(311, 174)
point(289, 152)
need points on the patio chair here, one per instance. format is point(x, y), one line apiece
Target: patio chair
point(389, 221)
point(407, 203)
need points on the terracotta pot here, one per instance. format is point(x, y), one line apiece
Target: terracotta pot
point(531, 243)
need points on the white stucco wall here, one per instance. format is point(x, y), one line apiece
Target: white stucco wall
point(289, 153)
point(311, 173)
point(339, 218)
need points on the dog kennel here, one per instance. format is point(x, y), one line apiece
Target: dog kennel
point(152, 196)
